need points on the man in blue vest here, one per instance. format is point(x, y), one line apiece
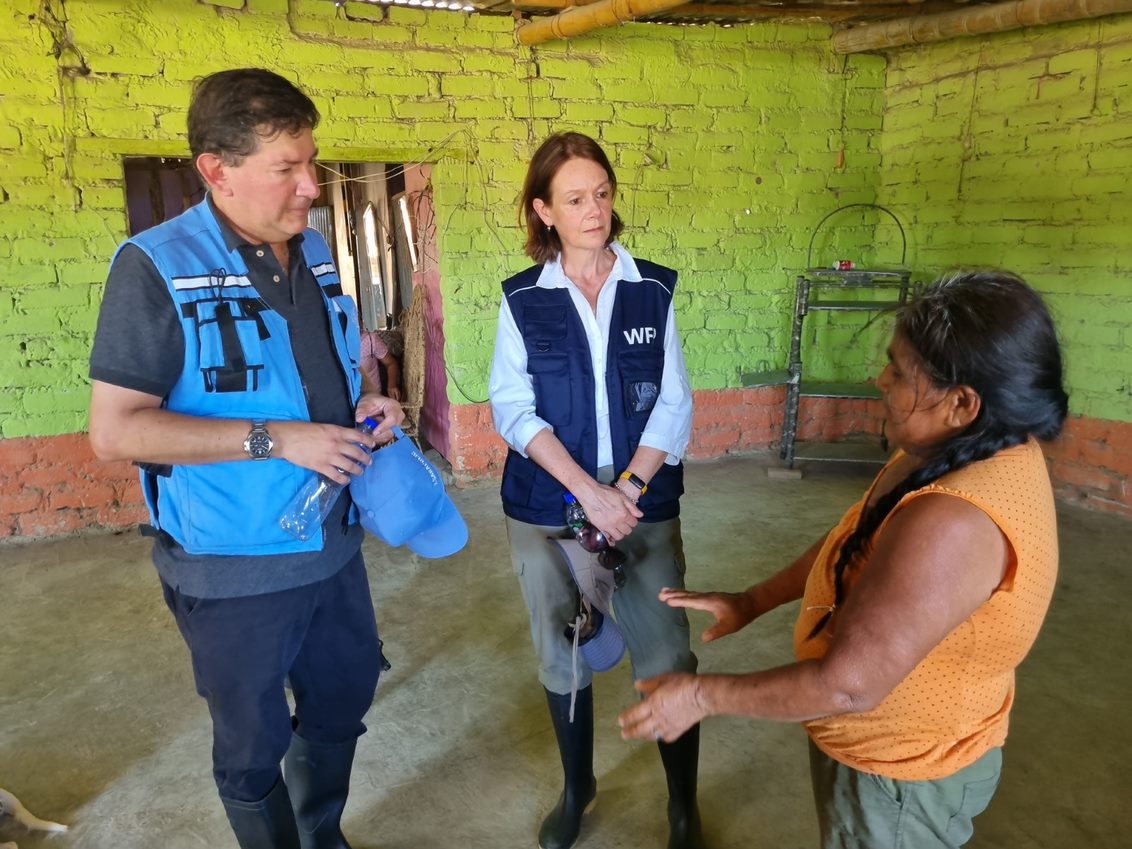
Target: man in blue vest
point(225, 364)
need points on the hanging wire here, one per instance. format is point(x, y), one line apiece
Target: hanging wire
point(397, 171)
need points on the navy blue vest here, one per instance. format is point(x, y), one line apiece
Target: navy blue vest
point(238, 365)
point(558, 360)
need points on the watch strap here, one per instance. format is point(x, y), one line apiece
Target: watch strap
point(641, 486)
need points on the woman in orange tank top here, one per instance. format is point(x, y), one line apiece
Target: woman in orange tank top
point(919, 605)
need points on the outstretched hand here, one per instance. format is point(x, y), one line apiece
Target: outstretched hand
point(732, 611)
point(672, 704)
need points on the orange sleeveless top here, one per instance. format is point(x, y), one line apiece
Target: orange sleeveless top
point(955, 705)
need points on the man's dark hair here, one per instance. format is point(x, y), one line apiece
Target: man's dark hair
point(232, 110)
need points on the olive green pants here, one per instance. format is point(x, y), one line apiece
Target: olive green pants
point(860, 810)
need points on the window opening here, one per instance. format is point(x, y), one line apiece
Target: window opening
point(361, 211)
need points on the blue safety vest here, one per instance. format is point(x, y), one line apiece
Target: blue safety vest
point(558, 360)
point(238, 365)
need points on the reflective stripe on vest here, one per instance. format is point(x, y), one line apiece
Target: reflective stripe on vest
point(238, 364)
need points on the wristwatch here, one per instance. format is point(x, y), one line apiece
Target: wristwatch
point(258, 443)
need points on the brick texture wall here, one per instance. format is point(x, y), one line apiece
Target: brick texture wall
point(727, 144)
point(1014, 151)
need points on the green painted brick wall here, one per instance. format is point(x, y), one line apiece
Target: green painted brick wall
point(725, 141)
point(1016, 151)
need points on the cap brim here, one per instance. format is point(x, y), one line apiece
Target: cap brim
point(446, 536)
point(595, 583)
point(606, 647)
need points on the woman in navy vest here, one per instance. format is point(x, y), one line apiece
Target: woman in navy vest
point(589, 390)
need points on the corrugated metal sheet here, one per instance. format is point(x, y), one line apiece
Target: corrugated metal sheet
point(321, 220)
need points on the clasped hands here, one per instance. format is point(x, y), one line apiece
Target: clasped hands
point(609, 510)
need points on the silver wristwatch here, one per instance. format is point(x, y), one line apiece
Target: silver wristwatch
point(258, 443)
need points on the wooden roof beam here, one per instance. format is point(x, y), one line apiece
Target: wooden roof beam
point(978, 20)
point(581, 19)
point(829, 13)
point(738, 10)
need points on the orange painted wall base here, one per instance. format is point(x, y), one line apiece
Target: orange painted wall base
point(726, 421)
point(53, 486)
point(1091, 464)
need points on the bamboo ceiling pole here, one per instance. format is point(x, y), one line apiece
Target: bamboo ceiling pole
point(580, 19)
point(978, 20)
point(857, 11)
point(726, 12)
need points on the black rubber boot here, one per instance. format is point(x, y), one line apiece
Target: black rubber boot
point(681, 765)
point(318, 778)
point(576, 746)
point(266, 824)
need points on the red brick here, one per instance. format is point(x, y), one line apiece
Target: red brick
point(713, 442)
point(128, 492)
point(70, 450)
point(1090, 479)
point(107, 469)
point(81, 493)
point(758, 439)
point(50, 524)
point(16, 453)
point(119, 516)
point(22, 500)
point(45, 477)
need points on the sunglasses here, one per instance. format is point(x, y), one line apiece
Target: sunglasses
point(608, 557)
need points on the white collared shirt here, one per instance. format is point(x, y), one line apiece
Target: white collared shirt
point(511, 388)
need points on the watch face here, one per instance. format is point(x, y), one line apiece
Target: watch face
point(258, 445)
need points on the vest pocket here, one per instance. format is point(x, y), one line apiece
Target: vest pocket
point(553, 392)
point(544, 323)
point(227, 508)
point(640, 380)
point(231, 353)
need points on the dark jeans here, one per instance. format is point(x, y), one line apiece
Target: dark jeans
point(321, 637)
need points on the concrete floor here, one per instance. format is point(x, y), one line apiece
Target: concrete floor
point(100, 726)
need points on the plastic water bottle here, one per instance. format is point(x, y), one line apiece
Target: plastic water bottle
point(589, 536)
point(309, 508)
point(593, 540)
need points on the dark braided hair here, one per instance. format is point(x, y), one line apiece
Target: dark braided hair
point(990, 331)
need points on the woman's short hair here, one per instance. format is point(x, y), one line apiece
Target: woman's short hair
point(232, 110)
point(543, 243)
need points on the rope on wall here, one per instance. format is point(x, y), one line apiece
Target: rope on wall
point(412, 324)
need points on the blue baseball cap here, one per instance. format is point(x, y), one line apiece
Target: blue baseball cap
point(603, 645)
point(401, 499)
